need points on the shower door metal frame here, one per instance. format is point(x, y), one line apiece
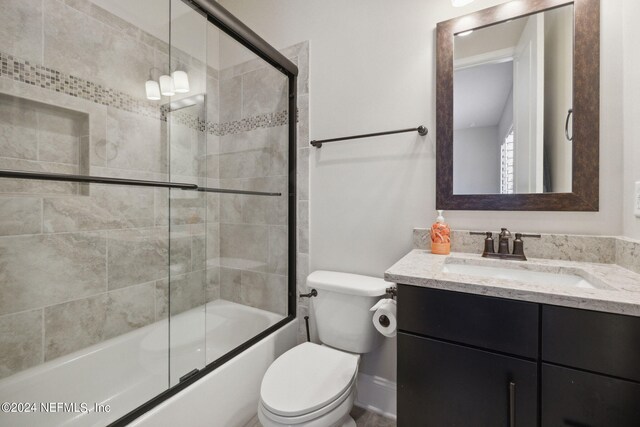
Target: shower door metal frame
point(237, 30)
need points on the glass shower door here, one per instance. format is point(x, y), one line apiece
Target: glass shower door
point(82, 332)
point(189, 219)
point(114, 285)
point(229, 134)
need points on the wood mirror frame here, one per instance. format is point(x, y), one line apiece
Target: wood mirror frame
point(586, 111)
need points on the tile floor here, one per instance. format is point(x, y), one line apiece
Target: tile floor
point(363, 418)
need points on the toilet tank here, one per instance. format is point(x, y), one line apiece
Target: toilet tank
point(342, 309)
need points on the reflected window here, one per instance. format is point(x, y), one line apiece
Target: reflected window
point(506, 164)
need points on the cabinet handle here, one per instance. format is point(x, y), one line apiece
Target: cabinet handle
point(512, 404)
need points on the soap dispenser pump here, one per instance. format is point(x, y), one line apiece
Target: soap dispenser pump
point(440, 236)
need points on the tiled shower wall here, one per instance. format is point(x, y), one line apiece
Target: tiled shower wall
point(253, 229)
point(253, 232)
point(81, 264)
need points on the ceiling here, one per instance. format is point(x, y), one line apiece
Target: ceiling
point(480, 94)
point(489, 39)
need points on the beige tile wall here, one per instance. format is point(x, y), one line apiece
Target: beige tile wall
point(80, 264)
point(253, 229)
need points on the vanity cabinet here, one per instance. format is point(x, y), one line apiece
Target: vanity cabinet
point(444, 384)
point(472, 360)
point(572, 397)
point(598, 342)
point(502, 325)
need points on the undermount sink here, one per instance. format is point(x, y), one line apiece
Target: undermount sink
point(526, 276)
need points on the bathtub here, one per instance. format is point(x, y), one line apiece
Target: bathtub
point(130, 369)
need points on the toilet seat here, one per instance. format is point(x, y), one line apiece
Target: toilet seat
point(320, 417)
point(308, 381)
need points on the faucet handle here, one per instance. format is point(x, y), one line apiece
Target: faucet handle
point(505, 234)
point(518, 244)
point(481, 233)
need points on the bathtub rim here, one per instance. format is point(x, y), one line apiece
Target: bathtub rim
point(206, 370)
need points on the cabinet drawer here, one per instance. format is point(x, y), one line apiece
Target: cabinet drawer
point(581, 399)
point(599, 342)
point(442, 384)
point(491, 323)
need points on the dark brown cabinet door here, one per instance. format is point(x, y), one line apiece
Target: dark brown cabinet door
point(598, 342)
point(495, 324)
point(575, 398)
point(442, 384)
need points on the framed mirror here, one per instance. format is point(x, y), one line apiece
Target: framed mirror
point(518, 107)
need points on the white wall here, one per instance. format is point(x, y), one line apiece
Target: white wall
point(476, 161)
point(506, 121)
point(373, 68)
point(631, 114)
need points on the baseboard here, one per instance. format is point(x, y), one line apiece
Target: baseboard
point(377, 395)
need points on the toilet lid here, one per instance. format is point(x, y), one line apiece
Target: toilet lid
point(306, 378)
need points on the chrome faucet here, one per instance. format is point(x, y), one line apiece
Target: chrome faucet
point(503, 245)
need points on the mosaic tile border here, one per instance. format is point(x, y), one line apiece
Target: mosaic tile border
point(256, 122)
point(47, 78)
point(261, 121)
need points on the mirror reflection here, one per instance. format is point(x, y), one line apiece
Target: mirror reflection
point(512, 101)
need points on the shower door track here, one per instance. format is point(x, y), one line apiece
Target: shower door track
point(85, 179)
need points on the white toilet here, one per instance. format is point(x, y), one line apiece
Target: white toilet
point(314, 385)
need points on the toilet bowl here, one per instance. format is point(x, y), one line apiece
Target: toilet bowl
point(314, 385)
point(310, 385)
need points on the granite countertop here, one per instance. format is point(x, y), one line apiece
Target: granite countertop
point(617, 289)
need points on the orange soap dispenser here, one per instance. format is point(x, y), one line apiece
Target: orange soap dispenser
point(440, 236)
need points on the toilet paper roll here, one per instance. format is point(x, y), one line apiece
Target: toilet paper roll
point(384, 318)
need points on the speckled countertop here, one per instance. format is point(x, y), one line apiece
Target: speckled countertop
point(617, 289)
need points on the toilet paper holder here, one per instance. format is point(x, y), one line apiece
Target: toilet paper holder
point(392, 292)
point(384, 320)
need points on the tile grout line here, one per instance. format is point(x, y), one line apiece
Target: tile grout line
point(43, 332)
point(42, 15)
point(106, 259)
point(79, 299)
point(41, 218)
